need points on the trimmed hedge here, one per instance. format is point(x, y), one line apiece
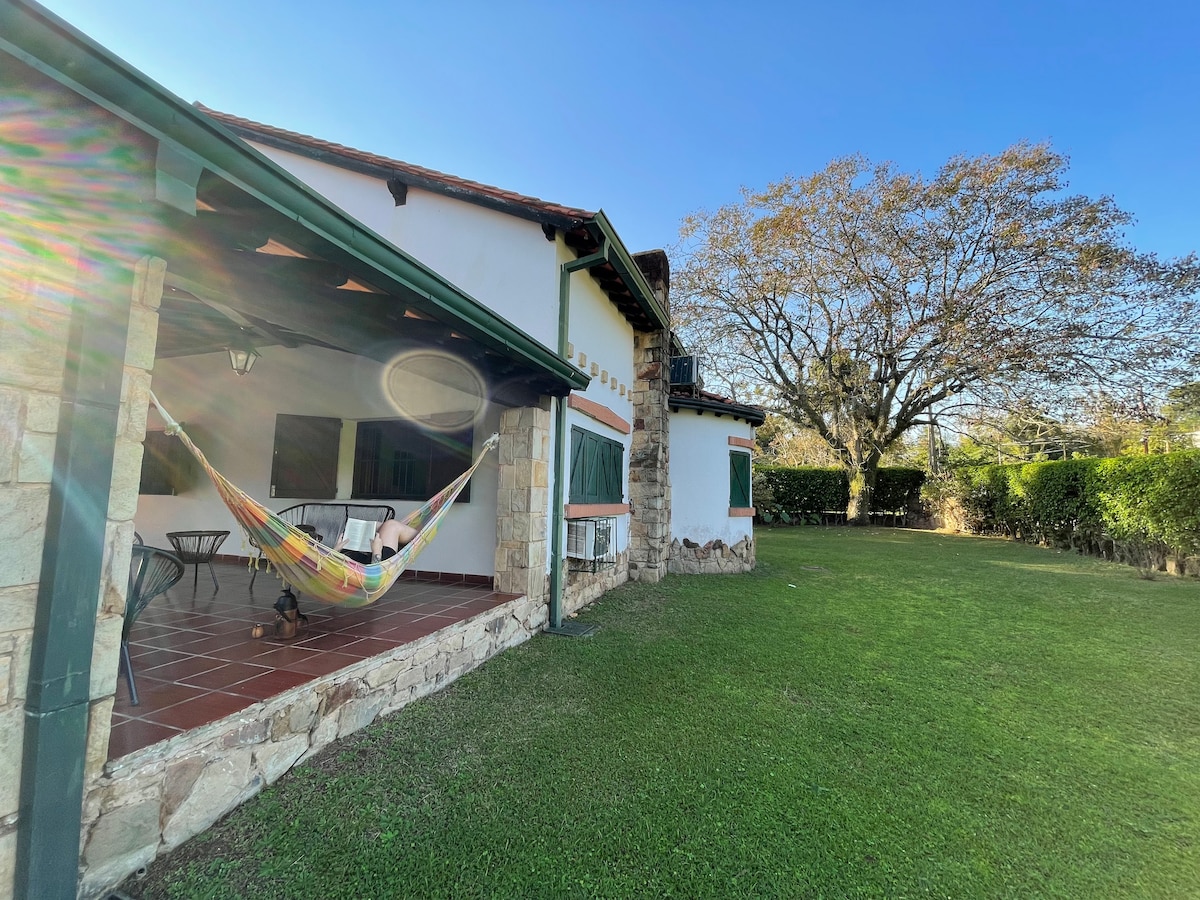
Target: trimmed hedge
point(1143, 500)
point(805, 493)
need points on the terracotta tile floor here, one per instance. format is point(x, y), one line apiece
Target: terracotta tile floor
point(195, 662)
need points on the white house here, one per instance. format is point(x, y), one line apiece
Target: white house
point(399, 318)
point(713, 438)
point(527, 259)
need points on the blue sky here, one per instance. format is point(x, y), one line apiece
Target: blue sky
point(653, 110)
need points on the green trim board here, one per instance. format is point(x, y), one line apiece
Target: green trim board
point(40, 39)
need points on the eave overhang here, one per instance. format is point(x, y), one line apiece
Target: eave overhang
point(380, 169)
point(49, 45)
point(752, 414)
point(632, 294)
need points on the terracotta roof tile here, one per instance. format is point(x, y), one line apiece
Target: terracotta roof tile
point(400, 167)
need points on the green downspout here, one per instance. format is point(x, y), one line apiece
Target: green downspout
point(57, 702)
point(560, 428)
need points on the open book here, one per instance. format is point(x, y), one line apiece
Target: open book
point(359, 533)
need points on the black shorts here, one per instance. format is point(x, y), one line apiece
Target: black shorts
point(364, 557)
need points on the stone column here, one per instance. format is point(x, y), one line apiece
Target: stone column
point(649, 458)
point(522, 501)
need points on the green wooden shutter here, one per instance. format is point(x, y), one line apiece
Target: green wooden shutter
point(612, 466)
point(167, 466)
point(597, 468)
point(739, 480)
point(578, 466)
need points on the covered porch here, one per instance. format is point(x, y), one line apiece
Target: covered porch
point(196, 662)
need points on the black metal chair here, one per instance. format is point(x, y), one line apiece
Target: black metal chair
point(195, 547)
point(151, 572)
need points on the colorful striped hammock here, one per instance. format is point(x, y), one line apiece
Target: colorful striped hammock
point(312, 568)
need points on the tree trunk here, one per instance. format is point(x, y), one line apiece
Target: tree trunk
point(862, 475)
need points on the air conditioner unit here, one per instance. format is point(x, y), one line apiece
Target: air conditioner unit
point(685, 372)
point(590, 541)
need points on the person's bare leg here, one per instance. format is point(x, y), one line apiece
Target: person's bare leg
point(393, 534)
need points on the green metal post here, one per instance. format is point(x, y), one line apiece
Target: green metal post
point(56, 708)
point(560, 427)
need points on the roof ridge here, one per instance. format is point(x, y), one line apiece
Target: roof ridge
point(400, 166)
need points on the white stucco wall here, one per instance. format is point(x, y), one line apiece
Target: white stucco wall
point(600, 337)
point(502, 261)
point(700, 477)
point(364, 197)
point(232, 420)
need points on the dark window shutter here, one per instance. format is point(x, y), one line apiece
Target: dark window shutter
point(597, 467)
point(167, 467)
point(739, 480)
point(579, 473)
point(306, 457)
point(394, 459)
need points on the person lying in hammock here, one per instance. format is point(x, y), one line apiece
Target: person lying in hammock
point(389, 538)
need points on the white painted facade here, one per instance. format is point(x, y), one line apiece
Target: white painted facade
point(502, 261)
point(700, 477)
point(232, 419)
point(507, 264)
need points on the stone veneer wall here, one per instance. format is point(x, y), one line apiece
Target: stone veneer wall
point(153, 800)
point(522, 502)
point(649, 459)
point(33, 334)
point(712, 558)
point(583, 588)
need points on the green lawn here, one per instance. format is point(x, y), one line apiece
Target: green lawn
point(872, 713)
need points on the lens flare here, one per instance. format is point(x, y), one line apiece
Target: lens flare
point(435, 389)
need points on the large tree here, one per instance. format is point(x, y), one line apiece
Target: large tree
point(862, 300)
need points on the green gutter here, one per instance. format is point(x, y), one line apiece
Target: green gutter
point(628, 269)
point(560, 431)
point(57, 702)
point(48, 44)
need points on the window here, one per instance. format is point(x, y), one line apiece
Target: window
point(306, 457)
point(396, 460)
point(739, 480)
point(167, 466)
point(597, 467)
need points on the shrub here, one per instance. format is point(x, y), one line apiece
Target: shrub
point(791, 494)
point(1141, 501)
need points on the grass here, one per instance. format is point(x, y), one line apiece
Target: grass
point(872, 713)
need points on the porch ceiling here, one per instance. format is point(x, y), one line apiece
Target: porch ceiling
point(235, 273)
point(239, 270)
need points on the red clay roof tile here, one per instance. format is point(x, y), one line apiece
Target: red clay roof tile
point(399, 166)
